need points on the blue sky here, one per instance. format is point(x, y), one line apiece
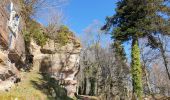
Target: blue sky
point(81, 13)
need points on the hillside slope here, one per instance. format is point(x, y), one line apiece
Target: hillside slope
point(26, 89)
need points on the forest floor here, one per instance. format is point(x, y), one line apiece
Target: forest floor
point(83, 97)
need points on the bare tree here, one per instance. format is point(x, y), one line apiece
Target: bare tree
point(148, 57)
point(33, 8)
point(158, 80)
point(163, 42)
point(102, 74)
point(55, 20)
point(155, 74)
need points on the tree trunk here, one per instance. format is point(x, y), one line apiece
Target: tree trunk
point(136, 69)
point(165, 60)
point(84, 86)
point(147, 82)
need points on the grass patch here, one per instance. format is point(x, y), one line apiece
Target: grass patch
point(25, 90)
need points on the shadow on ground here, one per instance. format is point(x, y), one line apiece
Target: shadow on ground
point(51, 88)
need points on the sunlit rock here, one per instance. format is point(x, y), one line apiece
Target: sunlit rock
point(61, 62)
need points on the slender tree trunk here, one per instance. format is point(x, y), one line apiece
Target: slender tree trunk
point(136, 69)
point(165, 60)
point(98, 64)
point(84, 86)
point(147, 82)
point(146, 75)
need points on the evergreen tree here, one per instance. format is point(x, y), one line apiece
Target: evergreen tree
point(135, 19)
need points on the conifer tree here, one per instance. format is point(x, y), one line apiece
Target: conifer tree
point(136, 19)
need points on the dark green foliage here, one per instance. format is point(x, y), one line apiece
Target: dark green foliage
point(139, 18)
point(130, 17)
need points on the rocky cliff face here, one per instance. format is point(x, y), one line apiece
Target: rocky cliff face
point(10, 37)
point(8, 72)
point(62, 62)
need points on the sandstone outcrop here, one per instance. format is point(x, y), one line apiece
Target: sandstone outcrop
point(61, 62)
point(12, 48)
point(8, 72)
point(11, 38)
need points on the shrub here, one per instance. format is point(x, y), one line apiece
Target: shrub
point(34, 30)
point(63, 35)
point(40, 37)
